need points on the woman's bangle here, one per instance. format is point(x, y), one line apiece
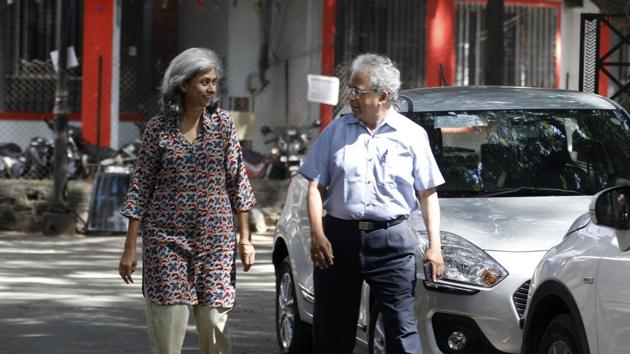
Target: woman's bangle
point(244, 243)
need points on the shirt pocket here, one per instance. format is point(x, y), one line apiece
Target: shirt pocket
point(397, 165)
point(352, 162)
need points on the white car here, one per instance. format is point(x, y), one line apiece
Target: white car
point(580, 294)
point(520, 165)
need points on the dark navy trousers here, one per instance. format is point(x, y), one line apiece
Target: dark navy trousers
point(384, 258)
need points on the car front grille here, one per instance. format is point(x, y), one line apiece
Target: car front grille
point(520, 298)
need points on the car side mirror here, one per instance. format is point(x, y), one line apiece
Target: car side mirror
point(612, 209)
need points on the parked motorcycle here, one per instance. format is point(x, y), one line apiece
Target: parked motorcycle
point(38, 159)
point(34, 162)
point(284, 159)
point(84, 158)
point(12, 161)
point(259, 166)
point(292, 145)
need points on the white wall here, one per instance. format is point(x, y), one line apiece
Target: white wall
point(295, 37)
point(570, 28)
point(232, 30)
point(243, 44)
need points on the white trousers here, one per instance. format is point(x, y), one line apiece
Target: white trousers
point(167, 328)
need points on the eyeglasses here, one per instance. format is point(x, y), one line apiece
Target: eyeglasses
point(355, 92)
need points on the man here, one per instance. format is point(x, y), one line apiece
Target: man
point(368, 170)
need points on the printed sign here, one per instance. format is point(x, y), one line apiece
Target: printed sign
point(323, 89)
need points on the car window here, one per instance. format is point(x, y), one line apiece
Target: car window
point(480, 152)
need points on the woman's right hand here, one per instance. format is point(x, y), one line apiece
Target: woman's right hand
point(127, 264)
point(129, 258)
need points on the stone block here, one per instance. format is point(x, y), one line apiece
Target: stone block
point(23, 202)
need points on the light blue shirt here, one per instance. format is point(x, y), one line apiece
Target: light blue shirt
point(372, 175)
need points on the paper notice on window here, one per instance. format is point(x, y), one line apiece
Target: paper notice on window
point(323, 89)
point(72, 58)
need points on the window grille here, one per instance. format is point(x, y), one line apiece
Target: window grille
point(392, 28)
point(29, 77)
point(529, 41)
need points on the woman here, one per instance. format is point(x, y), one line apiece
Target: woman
point(188, 183)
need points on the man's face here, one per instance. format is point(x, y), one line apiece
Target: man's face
point(365, 101)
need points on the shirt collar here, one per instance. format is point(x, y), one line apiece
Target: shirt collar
point(391, 119)
point(208, 113)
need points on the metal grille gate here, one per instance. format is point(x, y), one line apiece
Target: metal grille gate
point(613, 63)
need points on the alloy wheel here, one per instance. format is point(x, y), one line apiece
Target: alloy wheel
point(286, 311)
point(559, 347)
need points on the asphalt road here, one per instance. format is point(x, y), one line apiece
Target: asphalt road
point(64, 295)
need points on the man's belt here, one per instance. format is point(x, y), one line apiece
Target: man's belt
point(369, 225)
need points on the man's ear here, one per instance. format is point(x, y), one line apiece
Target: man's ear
point(383, 96)
point(182, 87)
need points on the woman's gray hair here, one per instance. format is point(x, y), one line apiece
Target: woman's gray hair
point(182, 69)
point(384, 75)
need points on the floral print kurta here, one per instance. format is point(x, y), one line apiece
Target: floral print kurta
point(185, 194)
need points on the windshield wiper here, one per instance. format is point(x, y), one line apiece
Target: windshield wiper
point(528, 190)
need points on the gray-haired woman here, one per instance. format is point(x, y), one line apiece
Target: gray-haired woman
point(188, 183)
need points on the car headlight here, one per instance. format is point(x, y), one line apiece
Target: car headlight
point(464, 263)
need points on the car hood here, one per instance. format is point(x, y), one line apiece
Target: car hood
point(512, 224)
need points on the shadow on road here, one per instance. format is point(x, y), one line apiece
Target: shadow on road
point(65, 296)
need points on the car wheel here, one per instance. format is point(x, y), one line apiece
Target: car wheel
point(293, 334)
point(376, 333)
point(561, 337)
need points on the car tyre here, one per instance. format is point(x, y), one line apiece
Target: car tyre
point(376, 333)
point(292, 333)
point(561, 337)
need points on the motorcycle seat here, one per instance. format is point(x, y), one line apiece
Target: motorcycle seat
point(10, 149)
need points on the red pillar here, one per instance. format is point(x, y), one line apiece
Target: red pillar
point(328, 54)
point(440, 41)
point(604, 41)
point(100, 19)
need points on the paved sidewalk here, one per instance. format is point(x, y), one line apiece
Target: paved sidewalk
point(64, 295)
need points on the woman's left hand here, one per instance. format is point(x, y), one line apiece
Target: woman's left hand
point(248, 254)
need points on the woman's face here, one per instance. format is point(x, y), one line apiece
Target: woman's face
point(200, 91)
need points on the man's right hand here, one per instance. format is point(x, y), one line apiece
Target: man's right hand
point(321, 251)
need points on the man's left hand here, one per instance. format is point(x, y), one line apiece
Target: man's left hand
point(434, 255)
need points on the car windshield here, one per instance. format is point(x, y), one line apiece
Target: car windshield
point(529, 152)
